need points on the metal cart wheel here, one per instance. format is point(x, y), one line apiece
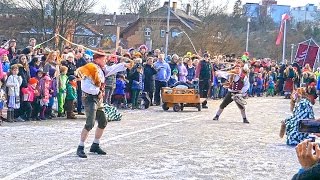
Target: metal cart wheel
point(176, 107)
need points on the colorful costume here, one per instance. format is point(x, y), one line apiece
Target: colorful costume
point(238, 86)
point(302, 110)
point(289, 75)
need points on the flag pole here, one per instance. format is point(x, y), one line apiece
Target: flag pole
point(284, 41)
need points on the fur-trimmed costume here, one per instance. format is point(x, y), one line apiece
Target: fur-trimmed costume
point(238, 86)
point(91, 71)
point(290, 74)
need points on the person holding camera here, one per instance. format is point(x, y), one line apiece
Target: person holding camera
point(309, 161)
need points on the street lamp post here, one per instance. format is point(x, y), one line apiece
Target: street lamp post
point(248, 31)
point(292, 48)
point(168, 29)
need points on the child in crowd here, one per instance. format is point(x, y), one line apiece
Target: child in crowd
point(137, 86)
point(13, 84)
point(119, 92)
point(53, 93)
point(2, 101)
point(28, 98)
point(5, 65)
point(174, 78)
point(45, 87)
point(62, 88)
point(271, 87)
point(71, 97)
point(259, 85)
point(36, 103)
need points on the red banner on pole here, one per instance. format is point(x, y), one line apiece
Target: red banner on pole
point(284, 18)
point(306, 55)
point(301, 54)
point(312, 55)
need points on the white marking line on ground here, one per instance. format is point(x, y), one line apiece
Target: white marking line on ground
point(56, 157)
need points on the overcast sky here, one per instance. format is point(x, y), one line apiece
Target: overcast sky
point(113, 5)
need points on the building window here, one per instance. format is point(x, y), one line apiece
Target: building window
point(147, 32)
point(175, 33)
point(162, 33)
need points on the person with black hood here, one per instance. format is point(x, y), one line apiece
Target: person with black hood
point(149, 78)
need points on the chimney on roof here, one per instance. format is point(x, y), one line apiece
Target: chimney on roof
point(166, 3)
point(189, 9)
point(174, 6)
point(114, 18)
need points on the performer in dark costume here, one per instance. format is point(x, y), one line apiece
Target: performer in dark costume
point(238, 86)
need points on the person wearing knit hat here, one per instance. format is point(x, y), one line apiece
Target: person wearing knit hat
point(28, 98)
point(71, 97)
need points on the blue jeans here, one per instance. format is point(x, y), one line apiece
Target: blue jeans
point(251, 90)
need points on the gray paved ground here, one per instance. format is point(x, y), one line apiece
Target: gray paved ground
point(153, 144)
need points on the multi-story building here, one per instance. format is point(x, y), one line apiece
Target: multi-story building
point(264, 6)
point(151, 29)
point(252, 10)
point(307, 13)
point(276, 11)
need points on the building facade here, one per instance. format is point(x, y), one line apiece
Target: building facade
point(151, 29)
point(252, 10)
point(304, 14)
point(276, 11)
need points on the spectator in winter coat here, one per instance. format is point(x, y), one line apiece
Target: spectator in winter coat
point(34, 66)
point(183, 72)
point(119, 92)
point(62, 89)
point(45, 87)
point(149, 78)
point(191, 71)
point(137, 86)
point(174, 62)
point(24, 70)
point(162, 77)
point(13, 84)
point(80, 61)
point(28, 98)
point(71, 97)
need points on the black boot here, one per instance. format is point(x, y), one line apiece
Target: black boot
point(48, 113)
point(10, 115)
point(95, 148)
point(80, 152)
point(245, 120)
point(216, 118)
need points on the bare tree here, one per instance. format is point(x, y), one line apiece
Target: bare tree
point(104, 9)
point(59, 16)
point(204, 8)
point(141, 7)
point(237, 8)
